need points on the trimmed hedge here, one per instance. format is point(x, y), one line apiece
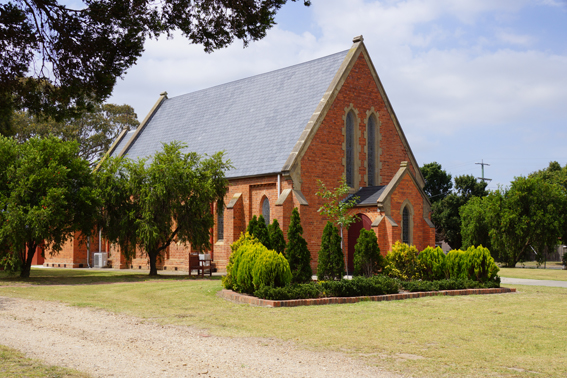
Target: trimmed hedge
point(361, 286)
point(450, 284)
point(294, 291)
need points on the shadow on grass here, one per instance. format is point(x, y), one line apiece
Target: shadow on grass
point(51, 276)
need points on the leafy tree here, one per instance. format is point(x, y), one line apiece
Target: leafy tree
point(261, 232)
point(252, 226)
point(527, 215)
point(367, 258)
point(95, 131)
point(58, 60)
point(152, 204)
point(446, 214)
point(337, 207)
point(48, 195)
point(474, 222)
point(438, 182)
point(331, 262)
point(277, 237)
point(297, 253)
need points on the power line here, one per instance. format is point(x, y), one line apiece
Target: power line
point(483, 178)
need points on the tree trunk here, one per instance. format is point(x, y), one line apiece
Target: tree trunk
point(153, 259)
point(26, 264)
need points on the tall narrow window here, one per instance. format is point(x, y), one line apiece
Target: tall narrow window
point(371, 133)
point(266, 210)
point(406, 226)
point(349, 150)
point(220, 225)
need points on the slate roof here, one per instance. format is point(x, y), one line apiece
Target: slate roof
point(256, 121)
point(367, 195)
point(120, 146)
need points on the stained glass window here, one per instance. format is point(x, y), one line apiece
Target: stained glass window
point(371, 133)
point(266, 210)
point(220, 225)
point(350, 150)
point(406, 226)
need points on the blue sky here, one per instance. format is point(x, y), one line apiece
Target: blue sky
point(468, 79)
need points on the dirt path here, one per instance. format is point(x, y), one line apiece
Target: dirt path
point(109, 345)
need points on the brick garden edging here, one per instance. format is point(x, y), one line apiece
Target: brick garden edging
point(245, 298)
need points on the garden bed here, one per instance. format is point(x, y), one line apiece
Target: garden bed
point(249, 299)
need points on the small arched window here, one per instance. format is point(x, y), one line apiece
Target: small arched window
point(220, 224)
point(371, 144)
point(266, 210)
point(406, 226)
point(349, 160)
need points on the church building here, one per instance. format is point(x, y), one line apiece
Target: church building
point(284, 131)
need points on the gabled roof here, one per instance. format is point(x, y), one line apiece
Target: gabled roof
point(366, 196)
point(256, 120)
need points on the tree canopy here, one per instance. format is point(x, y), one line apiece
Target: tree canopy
point(58, 60)
point(95, 131)
point(47, 193)
point(438, 182)
point(150, 204)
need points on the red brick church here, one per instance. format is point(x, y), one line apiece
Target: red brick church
point(283, 131)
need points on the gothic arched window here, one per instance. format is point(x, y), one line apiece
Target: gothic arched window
point(406, 219)
point(350, 149)
point(220, 224)
point(266, 210)
point(371, 145)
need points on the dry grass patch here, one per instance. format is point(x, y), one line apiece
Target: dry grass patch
point(509, 335)
point(15, 364)
point(534, 274)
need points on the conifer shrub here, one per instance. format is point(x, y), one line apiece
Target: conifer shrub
point(271, 269)
point(251, 229)
point(243, 269)
point(432, 263)
point(480, 264)
point(331, 262)
point(261, 232)
point(229, 279)
point(367, 258)
point(296, 249)
point(277, 237)
point(402, 262)
point(457, 264)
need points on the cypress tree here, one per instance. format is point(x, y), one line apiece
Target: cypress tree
point(262, 233)
point(367, 258)
point(251, 229)
point(331, 264)
point(297, 253)
point(277, 237)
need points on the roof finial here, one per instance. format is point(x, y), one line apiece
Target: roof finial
point(164, 94)
point(403, 164)
point(358, 38)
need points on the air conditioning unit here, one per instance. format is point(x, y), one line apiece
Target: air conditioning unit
point(100, 259)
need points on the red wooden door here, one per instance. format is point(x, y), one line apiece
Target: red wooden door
point(353, 234)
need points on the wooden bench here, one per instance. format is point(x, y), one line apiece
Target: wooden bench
point(200, 262)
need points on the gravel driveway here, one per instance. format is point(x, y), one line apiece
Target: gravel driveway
point(110, 345)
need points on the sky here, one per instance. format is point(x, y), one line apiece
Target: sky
point(470, 81)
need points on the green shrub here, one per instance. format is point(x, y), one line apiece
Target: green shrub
point(564, 259)
point(331, 263)
point(296, 249)
point(271, 269)
point(367, 258)
point(402, 263)
point(361, 286)
point(262, 233)
point(457, 264)
point(251, 229)
point(277, 237)
point(480, 264)
point(450, 284)
point(432, 263)
point(244, 266)
point(229, 279)
point(295, 291)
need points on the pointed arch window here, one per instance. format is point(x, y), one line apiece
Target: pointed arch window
point(220, 224)
point(406, 226)
point(371, 145)
point(266, 210)
point(349, 160)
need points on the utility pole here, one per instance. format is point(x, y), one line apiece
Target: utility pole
point(483, 178)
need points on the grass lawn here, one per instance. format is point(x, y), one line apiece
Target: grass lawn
point(509, 335)
point(15, 364)
point(534, 274)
